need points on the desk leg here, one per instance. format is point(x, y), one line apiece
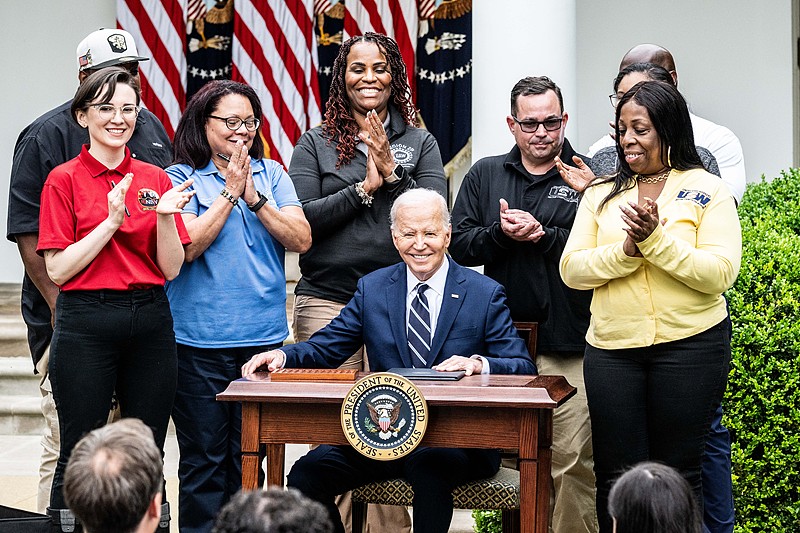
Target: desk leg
point(534, 470)
point(276, 455)
point(250, 422)
point(544, 481)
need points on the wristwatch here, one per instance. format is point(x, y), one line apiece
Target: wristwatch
point(259, 204)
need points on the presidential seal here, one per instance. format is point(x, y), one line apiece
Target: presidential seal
point(384, 416)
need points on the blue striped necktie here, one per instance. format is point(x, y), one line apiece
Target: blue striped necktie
point(419, 328)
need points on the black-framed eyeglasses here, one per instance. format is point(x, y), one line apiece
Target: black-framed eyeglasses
point(234, 123)
point(614, 99)
point(530, 126)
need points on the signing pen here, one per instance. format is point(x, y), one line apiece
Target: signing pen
point(127, 213)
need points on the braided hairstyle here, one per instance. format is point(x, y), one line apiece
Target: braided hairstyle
point(339, 126)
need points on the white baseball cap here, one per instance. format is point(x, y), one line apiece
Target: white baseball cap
point(106, 48)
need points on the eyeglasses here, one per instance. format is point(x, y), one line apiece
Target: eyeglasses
point(108, 111)
point(530, 126)
point(614, 99)
point(234, 123)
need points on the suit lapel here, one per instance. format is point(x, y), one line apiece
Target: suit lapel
point(396, 304)
point(452, 299)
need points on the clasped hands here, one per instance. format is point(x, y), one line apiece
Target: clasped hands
point(276, 359)
point(519, 225)
point(239, 175)
point(380, 161)
point(641, 221)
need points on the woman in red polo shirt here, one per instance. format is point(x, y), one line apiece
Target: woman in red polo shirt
point(111, 234)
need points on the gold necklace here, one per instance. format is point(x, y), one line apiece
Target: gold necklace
point(653, 179)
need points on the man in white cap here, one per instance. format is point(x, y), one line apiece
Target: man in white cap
point(48, 141)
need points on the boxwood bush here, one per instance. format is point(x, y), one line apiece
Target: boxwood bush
point(763, 397)
point(762, 403)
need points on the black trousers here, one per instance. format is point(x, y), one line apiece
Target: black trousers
point(209, 432)
point(327, 471)
point(654, 404)
point(106, 341)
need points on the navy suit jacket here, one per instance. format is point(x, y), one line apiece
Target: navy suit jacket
point(473, 319)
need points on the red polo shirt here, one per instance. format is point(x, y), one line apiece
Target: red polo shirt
point(75, 201)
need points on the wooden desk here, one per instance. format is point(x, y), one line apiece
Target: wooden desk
point(496, 411)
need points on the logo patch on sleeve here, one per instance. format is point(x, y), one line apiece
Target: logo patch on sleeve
point(699, 197)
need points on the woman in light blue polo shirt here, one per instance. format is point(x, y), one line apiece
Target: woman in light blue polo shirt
point(229, 301)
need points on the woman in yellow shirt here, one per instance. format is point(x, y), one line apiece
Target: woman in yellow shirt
point(658, 242)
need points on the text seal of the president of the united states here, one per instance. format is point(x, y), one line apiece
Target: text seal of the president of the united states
point(384, 416)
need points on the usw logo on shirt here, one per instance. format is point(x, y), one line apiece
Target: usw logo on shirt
point(699, 197)
point(563, 192)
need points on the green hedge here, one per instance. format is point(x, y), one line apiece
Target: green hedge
point(762, 404)
point(763, 398)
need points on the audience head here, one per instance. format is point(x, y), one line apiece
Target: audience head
point(114, 478)
point(272, 511)
point(653, 498)
point(537, 119)
point(420, 223)
point(368, 74)
point(633, 74)
point(651, 53)
point(108, 48)
point(219, 114)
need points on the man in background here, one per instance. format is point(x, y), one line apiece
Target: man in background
point(719, 140)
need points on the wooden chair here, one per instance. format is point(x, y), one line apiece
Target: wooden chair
point(501, 491)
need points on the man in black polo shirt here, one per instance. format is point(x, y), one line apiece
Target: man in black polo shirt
point(50, 140)
point(513, 215)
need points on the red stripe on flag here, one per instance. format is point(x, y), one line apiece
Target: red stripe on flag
point(270, 150)
point(159, 50)
point(371, 7)
point(176, 15)
point(293, 67)
point(281, 112)
point(155, 106)
point(404, 43)
point(350, 25)
point(306, 25)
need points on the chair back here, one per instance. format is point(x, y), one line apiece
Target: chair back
point(528, 332)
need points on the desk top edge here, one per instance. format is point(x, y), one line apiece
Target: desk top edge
point(494, 390)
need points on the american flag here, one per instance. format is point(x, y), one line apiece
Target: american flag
point(275, 53)
point(396, 18)
point(159, 29)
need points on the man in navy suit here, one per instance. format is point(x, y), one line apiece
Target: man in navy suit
point(472, 331)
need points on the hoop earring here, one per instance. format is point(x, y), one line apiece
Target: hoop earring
point(669, 162)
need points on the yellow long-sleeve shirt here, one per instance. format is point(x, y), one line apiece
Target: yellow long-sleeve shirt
point(675, 290)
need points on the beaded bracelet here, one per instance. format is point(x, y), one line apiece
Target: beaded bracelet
point(366, 198)
point(228, 196)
